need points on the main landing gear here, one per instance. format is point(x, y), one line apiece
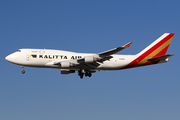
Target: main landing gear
point(23, 71)
point(81, 73)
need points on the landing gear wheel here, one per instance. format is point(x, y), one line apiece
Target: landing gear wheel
point(90, 74)
point(23, 71)
point(86, 74)
point(80, 74)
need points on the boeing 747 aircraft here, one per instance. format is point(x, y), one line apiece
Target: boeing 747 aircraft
point(86, 63)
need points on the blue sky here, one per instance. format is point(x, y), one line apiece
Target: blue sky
point(94, 26)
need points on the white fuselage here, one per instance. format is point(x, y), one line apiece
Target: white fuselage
point(45, 58)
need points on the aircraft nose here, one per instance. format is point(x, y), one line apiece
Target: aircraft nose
point(10, 58)
point(7, 58)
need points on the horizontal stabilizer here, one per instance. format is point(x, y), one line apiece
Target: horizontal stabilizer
point(160, 58)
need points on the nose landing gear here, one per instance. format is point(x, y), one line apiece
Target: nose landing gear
point(23, 71)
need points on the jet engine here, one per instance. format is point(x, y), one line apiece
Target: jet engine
point(89, 59)
point(65, 64)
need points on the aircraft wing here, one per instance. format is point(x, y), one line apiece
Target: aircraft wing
point(92, 61)
point(115, 50)
point(103, 56)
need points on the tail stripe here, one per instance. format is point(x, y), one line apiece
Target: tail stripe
point(154, 52)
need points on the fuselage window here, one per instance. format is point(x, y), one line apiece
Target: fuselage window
point(18, 50)
point(34, 56)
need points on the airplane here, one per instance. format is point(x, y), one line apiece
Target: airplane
point(88, 63)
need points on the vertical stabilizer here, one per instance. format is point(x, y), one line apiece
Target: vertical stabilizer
point(157, 49)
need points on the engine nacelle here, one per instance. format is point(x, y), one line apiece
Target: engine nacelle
point(89, 59)
point(65, 71)
point(65, 64)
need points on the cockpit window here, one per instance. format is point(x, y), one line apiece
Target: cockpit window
point(18, 50)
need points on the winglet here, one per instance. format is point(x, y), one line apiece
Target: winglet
point(128, 44)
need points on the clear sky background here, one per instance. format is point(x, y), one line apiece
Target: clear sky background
point(146, 93)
